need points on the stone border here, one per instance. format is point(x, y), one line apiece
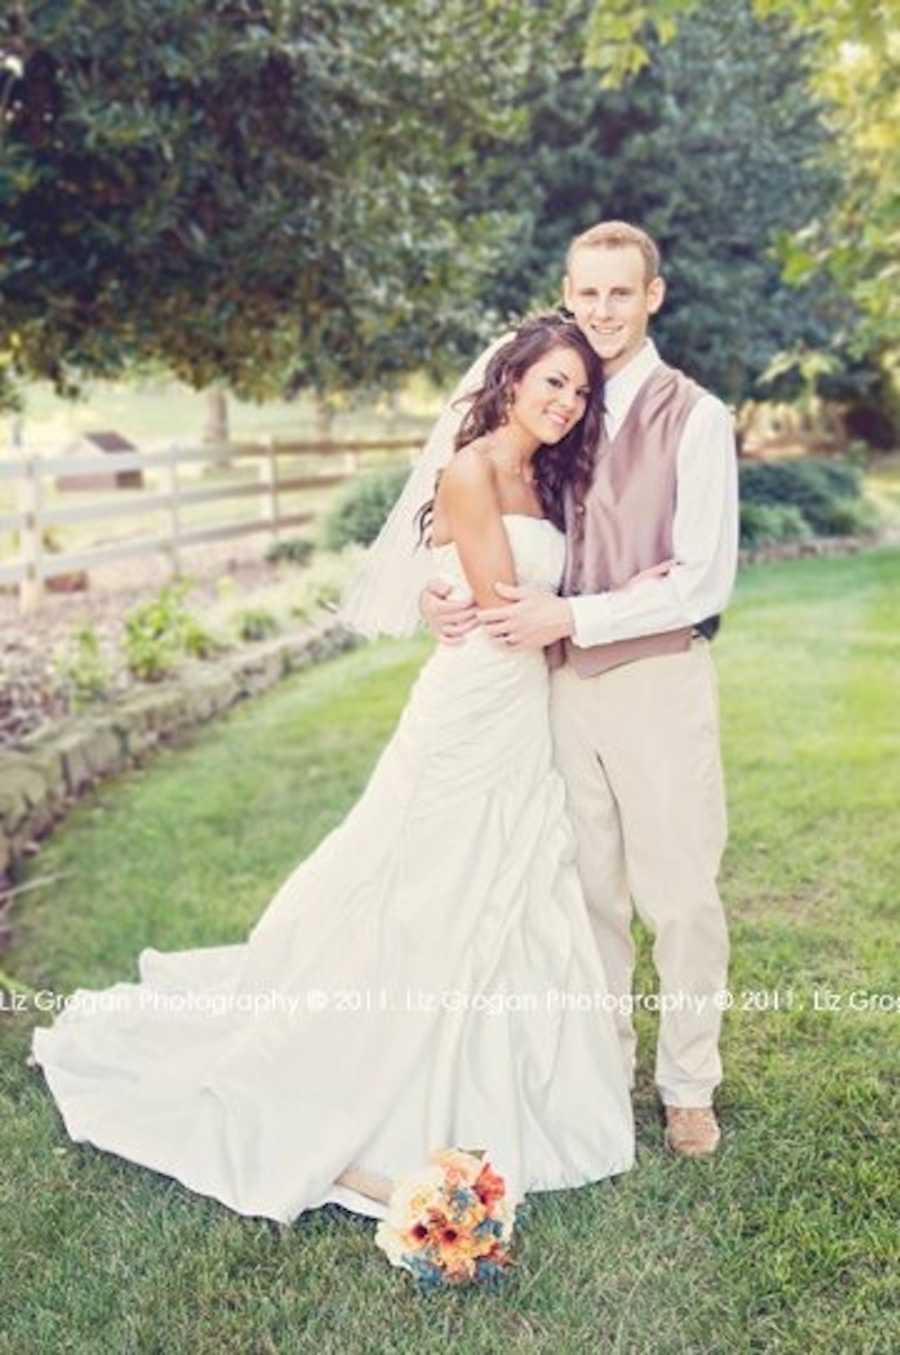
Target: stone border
point(808, 546)
point(46, 773)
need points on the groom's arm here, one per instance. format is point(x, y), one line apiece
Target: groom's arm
point(704, 541)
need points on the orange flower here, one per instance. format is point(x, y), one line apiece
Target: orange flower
point(489, 1186)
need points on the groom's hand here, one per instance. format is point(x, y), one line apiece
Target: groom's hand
point(533, 619)
point(450, 619)
point(654, 572)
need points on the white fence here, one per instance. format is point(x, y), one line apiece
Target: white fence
point(35, 564)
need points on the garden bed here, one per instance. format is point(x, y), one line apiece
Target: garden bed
point(53, 747)
point(30, 695)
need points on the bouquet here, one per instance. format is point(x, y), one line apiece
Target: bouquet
point(450, 1223)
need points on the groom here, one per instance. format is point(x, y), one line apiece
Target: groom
point(633, 695)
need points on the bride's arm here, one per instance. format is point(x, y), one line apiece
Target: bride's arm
point(448, 618)
point(469, 502)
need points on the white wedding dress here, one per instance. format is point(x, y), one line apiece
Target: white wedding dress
point(428, 977)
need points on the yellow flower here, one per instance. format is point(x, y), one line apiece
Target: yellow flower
point(412, 1196)
point(464, 1166)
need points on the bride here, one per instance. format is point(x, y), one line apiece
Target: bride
point(428, 977)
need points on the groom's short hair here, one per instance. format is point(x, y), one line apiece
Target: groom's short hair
point(616, 235)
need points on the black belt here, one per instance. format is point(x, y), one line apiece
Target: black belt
point(708, 627)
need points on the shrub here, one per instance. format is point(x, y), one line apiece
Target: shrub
point(853, 517)
point(149, 657)
point(814, 487)
point(199, 642)
point(158, 630)
point(764, 523)
point(81, 666)
point(256, 623)
point(362, 509)
point(296, 549)
point(153, 633)
point(859, 454)
point(843, 478)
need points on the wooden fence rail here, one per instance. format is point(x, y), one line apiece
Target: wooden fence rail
point(34, 564)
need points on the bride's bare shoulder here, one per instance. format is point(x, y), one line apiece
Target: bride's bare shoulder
point(470, 475)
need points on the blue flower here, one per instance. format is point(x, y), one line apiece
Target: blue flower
point(427, 1274)
point(489, 1273)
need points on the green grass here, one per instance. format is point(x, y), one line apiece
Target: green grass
point(162, 409)
point(786, 1241)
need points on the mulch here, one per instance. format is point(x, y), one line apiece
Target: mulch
point(31, 692)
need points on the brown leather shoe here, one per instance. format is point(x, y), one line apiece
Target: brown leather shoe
point(692, 1131)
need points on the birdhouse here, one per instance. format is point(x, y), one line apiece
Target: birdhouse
point(104, 446)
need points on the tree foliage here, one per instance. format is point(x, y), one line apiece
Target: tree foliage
point(715, 147)
point(855, 47)
point(250, 191)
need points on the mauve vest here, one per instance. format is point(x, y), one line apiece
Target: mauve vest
point(625, 522)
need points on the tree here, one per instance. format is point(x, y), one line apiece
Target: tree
point(855, 68)
point(715, 146)
point(251, 191)
point(216, 429)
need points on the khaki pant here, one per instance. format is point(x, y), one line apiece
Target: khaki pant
point(638, 748)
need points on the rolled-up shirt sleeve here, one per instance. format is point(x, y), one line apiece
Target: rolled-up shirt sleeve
point(704, 543)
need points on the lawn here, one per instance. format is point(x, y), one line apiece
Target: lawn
point(154, 412)
point(787, 1241)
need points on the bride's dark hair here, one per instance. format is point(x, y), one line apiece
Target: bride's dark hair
point(556, 465)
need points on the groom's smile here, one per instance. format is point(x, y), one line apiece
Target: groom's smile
point(607, 290)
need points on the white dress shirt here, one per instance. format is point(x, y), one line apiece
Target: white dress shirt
point(704, 529)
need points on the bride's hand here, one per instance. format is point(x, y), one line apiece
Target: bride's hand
point(654, 572)
point(449, 619)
